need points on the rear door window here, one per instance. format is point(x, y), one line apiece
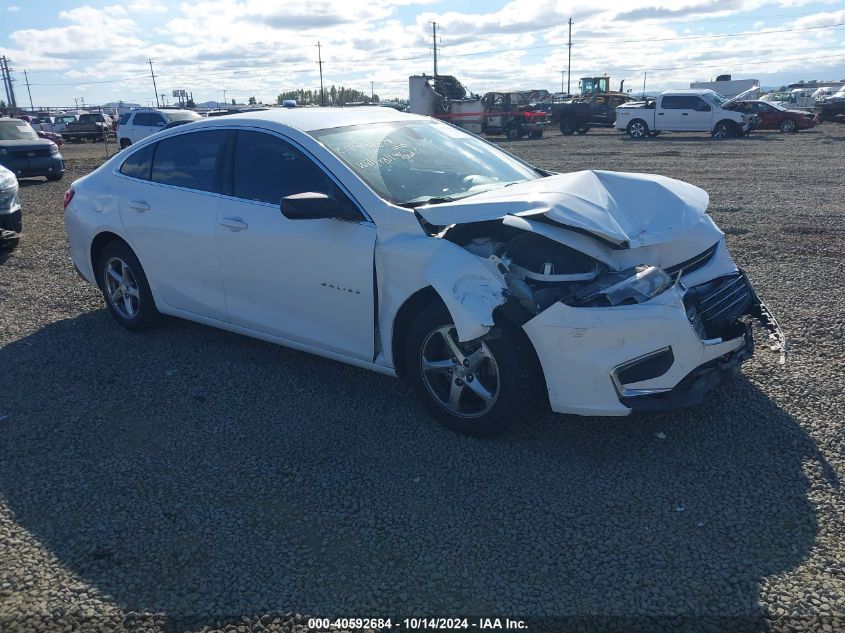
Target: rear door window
point(672, 103)
point(190, 160)
point(148, 119)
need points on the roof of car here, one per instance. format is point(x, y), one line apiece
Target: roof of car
point(311, 119)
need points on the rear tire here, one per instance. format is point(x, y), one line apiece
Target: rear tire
point(583, 129)
point(637, 129)
point(125, 288)
point(478, 388)
point(567, 127)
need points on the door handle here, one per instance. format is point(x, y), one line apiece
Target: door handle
point(235, 224)
point(139, 205)
point(684, 113)
point(659, 114)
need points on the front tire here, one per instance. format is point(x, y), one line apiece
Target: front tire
point(513, 133)
point(788, 126)
point(125, 288)
point(725, 129)
point(583, 129)
point(637, 129)
point(476, 388)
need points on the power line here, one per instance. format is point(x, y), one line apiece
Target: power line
point(650, 40)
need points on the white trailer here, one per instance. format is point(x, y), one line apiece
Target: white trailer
point(727, 87)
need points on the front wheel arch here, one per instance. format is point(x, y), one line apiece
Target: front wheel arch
point(402, 323)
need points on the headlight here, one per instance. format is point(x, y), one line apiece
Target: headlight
point(8, 182)
point(54, 149)
point(645, 283)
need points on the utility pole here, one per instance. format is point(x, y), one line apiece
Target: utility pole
point(152, 74)
point(320, 63)
point(372, 91)
point(562, 72)
point(569, 62)
point(31, 107)
point(5, 81)
point(82, 99)
point(645, 74)
point(434, 39)
point(76, 101)
point(10, 89)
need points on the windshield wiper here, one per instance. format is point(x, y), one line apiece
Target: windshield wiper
point(433, 200)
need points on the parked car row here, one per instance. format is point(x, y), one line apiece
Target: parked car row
point(708, 111)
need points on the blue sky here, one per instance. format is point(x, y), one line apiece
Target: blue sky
point(98, 50)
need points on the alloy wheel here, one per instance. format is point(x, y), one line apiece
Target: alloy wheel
point(463, 379)
point(122, 288)
point(637, 130)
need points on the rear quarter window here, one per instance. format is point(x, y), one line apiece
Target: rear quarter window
point(125, 118)
point(139, 163)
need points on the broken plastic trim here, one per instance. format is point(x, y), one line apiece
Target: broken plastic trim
point(767, 321)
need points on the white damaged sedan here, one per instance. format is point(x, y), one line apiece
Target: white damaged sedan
point(404, 245)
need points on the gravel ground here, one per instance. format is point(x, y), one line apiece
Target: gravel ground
point(191, 479)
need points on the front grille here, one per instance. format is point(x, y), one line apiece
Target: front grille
point(693, 263)
point(715, 306)
point(30, 153)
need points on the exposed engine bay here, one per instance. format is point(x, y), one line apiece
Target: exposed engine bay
point(539, 272)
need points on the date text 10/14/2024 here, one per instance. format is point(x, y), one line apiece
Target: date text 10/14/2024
point(416, 624)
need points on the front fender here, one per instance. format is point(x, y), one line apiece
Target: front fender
point(470, 288)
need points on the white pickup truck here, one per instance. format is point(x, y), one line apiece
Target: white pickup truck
point(683, 111)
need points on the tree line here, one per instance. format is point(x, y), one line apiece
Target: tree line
point(331, 96)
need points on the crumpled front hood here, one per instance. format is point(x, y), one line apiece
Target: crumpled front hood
point(630, 210)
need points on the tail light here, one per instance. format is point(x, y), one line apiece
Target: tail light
point(68, 197)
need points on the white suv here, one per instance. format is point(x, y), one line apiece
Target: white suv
point(139, 124)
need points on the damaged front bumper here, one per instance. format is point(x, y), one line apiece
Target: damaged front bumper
point(665, 353)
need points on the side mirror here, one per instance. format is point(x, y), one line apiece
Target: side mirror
point(311, 205)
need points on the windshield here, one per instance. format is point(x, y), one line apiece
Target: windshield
point(182, 116)
point(417, 162)
point(16, 131)
point(714, 97)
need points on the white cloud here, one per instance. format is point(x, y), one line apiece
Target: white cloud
point(13, 8)
point(262, 47)
point(147, 6)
